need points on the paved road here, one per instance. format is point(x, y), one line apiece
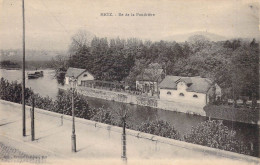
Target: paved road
point(53, 142)
point(11, 151)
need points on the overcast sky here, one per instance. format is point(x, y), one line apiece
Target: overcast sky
point(51, 23)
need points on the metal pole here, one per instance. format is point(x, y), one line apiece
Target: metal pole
point(32, 121)
point(73, 136)
point(124, 158)
point(62, 114)
point(23, 75)
point(61, 119)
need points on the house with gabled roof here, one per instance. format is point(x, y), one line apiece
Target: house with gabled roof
point(149, 79)
point(79, 74)
point(191, 90)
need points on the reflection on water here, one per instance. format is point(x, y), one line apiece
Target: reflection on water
point(181, 121)
point(48, 86)
point(246, 133)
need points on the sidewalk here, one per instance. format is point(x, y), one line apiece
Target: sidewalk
point(53, 140)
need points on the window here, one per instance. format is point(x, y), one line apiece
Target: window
point(181, 94)
point(85, 75)
point(169, 93)
point(196, 96)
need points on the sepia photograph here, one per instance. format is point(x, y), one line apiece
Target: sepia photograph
point(129, 82)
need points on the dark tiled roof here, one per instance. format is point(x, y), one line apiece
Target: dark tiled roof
point(74, 72)
point(187, 80)
point(169, 82)
point(195, 84)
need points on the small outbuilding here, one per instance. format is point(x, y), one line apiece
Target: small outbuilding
point(79, 74)
point(148, 80)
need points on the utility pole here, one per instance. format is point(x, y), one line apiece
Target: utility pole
point(23, 75)
point(32, 120)
point(73, 136)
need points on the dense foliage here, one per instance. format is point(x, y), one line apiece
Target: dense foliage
point(13, 91)
point(213, 133)
point(114, 117)
point(160, 128)
point(60, 64)
point(63, 104)
point(232, 64)
point(104, 116)
point(106, 61)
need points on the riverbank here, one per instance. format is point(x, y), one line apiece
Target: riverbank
point(102, 141)
point(227, 112)
point(243, 115)
point(141, 100)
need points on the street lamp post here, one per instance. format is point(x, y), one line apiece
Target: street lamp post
point(73, 136)
point(123, 156)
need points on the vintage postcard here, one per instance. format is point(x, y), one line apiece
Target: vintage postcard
point(129, 82)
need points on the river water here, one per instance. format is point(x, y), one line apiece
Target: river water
point(48, 86)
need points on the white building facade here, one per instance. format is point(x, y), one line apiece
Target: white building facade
point(79, 74)
point(190, 90)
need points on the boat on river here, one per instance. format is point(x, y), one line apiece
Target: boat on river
point(35, 75)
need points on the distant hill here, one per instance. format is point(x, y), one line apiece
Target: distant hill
point(31, 55)
point(185, 37)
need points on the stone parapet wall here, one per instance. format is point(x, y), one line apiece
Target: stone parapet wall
point(108, 95)
point(181, 107)
point(142, 100)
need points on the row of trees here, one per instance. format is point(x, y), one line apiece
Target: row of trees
point(232, 64)
point(209, 133)
point(109, 61)
point(9, 64)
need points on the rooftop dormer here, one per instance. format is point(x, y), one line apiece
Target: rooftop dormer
point(182, 86)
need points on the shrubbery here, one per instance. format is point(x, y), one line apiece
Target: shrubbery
point(63, 104)
point(104, 116)
point(160, 128)
point(213, 133)
point(41, 102)
point(12, 92)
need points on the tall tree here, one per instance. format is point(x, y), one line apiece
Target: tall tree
point(79, 39)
